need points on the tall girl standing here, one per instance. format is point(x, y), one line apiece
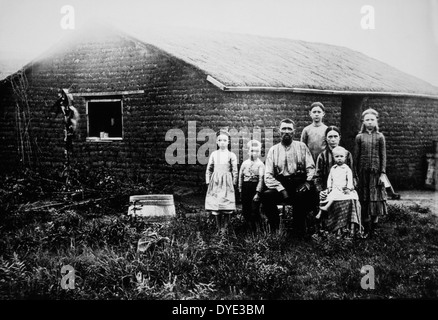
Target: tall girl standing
point(370, 160)
point(221, 177)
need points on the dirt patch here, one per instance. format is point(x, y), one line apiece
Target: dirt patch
point(422, 198)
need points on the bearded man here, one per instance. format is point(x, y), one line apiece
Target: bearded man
point(289, 169)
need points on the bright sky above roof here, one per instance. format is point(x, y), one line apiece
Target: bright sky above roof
point(405, 33)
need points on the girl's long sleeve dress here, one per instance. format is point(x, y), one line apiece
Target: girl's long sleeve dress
point(221, 176)
point(370, 159)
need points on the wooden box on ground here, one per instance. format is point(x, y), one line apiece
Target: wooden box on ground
point(152, 206)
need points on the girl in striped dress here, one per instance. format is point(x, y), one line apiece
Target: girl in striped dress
point(370, 160)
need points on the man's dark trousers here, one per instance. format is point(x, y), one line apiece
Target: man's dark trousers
point(300, 205)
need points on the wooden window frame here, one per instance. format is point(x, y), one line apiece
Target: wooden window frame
point(99, 138)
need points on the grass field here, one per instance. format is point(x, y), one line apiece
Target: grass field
point(43, 227)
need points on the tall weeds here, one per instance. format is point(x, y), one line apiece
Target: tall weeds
point(116, 256)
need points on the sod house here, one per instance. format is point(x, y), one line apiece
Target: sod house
point(148, 98)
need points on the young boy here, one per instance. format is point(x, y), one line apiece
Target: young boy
point(251, 178)
point(314, 134)
point(314, 137)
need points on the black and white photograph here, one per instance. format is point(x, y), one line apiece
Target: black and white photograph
point(219, 155)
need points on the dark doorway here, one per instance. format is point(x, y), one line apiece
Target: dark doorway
point(351, 111)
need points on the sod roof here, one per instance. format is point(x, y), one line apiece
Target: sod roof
point(258, 61)
point(243, 60)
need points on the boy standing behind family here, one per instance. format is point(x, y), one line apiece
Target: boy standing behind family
point(314, 134)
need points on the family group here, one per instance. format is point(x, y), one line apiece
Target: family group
point(345, 194)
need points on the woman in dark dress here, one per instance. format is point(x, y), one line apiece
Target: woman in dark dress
point(345, 214)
